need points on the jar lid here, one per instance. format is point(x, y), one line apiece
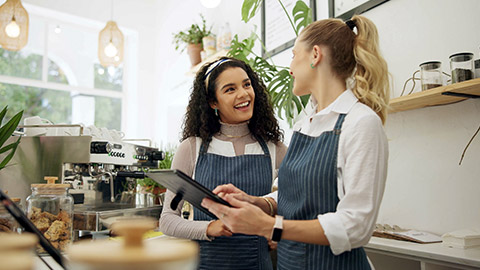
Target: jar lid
point(50, 184)
point(459, 57)
point(133, 249)
point(16, 199)
point(431, 64)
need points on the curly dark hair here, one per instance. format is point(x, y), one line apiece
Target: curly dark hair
point(200, 119)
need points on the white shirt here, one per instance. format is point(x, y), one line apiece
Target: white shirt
point(224, 148)
point(361, 169)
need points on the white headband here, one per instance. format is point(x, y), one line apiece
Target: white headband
point(211, 68)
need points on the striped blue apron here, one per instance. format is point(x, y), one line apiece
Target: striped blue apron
point(252, 174)
point(307, 184)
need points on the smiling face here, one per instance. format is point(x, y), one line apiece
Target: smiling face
point(300, 69)
point(235, 96)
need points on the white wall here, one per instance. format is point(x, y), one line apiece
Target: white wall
point(426, 188)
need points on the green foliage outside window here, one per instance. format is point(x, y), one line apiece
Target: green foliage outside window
point(54, 105)
point(50, 104)
point(105, 80)
point(18, 64)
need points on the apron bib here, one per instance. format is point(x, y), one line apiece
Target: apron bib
point(252, 174)
point(307, 187)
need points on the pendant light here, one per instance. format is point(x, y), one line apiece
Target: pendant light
point(110, 44)
point(13, 25)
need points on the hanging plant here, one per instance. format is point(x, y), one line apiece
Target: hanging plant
point(278, 80)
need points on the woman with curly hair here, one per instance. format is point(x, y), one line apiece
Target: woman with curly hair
point(230, 135)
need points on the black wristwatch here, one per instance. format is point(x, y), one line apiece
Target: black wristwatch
point(277, 229)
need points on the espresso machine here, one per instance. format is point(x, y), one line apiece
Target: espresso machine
point(102, 173)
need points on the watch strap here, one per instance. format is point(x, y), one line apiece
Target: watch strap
point(277, 229)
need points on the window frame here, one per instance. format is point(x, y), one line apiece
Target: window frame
point(129, 62)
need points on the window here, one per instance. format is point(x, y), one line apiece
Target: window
point(57, 75)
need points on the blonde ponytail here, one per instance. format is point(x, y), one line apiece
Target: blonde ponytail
point(372, 85)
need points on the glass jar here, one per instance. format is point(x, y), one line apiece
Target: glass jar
point(477, 68)
point(461, 65)
point(50, 208)
point(7, 221)
point(431, 74)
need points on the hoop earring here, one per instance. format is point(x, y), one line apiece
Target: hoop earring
point(216, 111)
point(311, 65)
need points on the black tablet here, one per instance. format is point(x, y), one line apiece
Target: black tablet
point(186, 188)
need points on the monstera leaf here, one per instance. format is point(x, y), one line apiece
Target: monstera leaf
point(249, 9)
point(302, 15)
point(5, 132)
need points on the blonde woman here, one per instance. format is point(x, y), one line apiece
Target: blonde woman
point(332, 178)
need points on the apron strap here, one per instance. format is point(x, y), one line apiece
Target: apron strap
point(338, 125)
point(263, 144)
point(204, 146)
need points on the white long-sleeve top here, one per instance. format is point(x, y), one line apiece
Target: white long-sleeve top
point(361, 169)
point(171, 223)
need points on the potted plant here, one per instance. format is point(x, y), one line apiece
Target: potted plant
point(5, 132)
point(147, 185)
point(192, 40)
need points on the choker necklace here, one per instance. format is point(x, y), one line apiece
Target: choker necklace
point(232, 136)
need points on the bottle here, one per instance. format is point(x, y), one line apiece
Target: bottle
point(227, 37)
point(220, 38)
point(50, 208)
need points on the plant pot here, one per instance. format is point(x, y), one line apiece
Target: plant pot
point(193, 51)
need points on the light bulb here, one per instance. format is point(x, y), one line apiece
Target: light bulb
point(58, 30)
point(111, 71)
point(117, 58)
point(12, 29)
point(210, 3)
point(110, 50)
point(101, 71)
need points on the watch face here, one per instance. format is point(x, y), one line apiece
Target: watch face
point(277, 234)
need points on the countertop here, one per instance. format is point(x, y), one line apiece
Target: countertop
point(433, 251)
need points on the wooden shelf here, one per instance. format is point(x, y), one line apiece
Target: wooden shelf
point(436, 96)
point(217, 55)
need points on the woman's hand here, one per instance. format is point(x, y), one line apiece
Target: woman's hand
point(240, 195)
point(217, 228)
point(232, 190)
point(272, 245)
point(243, 217)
